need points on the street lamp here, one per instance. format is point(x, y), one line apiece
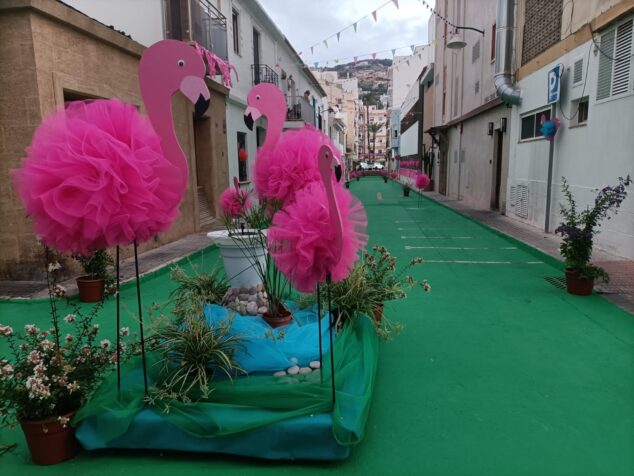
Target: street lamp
point(456, 42)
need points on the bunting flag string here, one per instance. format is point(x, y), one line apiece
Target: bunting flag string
point(373, 55)
point(354, 25)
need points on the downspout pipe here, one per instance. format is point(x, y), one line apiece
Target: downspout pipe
point(508, 92)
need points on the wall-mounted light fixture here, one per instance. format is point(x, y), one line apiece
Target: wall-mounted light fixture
point(490, 129)
point(503, 124)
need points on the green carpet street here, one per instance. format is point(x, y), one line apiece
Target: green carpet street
point(497, 371)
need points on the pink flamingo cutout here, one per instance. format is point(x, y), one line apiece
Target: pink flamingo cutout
point(320, 233)
point(99, 174)
point(286, 161)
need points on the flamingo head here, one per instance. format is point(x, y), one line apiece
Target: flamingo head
point(328, 162)
point(264, 99)
point(169, 66)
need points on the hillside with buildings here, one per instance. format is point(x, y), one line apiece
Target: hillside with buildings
point(372, 75)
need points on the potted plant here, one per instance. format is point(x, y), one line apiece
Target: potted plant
point(428, 168)
point(246, 226)
point(406, 189)
point(578, 230)
point(97, 279)
point(374, 280)
point(50, 373)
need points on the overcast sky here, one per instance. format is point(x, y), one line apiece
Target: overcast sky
point(306, 22)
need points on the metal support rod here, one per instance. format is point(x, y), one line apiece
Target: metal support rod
point(321, 352)
point(469, 28)
point(332, 352)
point(138, 297)
point(118, 323)
point(551, 155)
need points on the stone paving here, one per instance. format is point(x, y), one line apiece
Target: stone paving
point(619, 291)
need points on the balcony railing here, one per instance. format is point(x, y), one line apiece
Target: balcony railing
point(298, 109)
point(263, 73)
point(199, 21)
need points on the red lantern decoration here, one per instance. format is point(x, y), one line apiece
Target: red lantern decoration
point(243, 155)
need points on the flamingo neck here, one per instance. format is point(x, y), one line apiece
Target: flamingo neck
point(336, 224)
point(159, 111)
point(274, 130)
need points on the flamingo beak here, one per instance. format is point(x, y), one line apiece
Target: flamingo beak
point(195, 89)
point(251, 114)
point(338, 173)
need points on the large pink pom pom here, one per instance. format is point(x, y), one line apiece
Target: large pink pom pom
point(95, 176)
point(291, 165)
point(234, 202)
point(301, 238)
point(422, 181)
point(394, 175)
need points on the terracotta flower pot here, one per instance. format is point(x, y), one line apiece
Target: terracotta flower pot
point(282, 319)
point(378, 313)
point(578, 285)
point(49, 442)
point(90, 290)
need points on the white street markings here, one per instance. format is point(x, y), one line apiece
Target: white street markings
point(407, 247)
point(480, 262)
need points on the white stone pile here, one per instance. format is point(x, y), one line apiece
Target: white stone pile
point(247, 301)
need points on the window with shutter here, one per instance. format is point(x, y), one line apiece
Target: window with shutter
point(622, 60)
point(577, 72)
point(615, 62)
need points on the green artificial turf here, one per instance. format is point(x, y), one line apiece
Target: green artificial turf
point(497, 372)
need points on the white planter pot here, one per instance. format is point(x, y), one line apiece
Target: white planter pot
point(240, 263)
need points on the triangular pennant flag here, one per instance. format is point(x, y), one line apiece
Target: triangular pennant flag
point(311, 50)
point(316, 64)
point(374, 15)
point(407, 61)
point(336, 60)
point(355, 26)
point(338, 35)
point(300, 53)
point(326, 43)
point(412, 47)
point(393, 52)
point(395, 3)
point(373, 55)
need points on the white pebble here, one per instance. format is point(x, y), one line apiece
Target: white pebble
point(280, 373)
point(262, 309)
point(294, 370)
point(252, 309)
point(315, 364)
point(293, 360)
point(305, 370)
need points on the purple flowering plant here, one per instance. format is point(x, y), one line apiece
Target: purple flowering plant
point(49, 373)
point(579, 227)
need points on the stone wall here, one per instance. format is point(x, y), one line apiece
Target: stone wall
point(48, 50)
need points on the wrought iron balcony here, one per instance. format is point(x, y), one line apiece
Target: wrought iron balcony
point(199, 21)
point(263, 73)
point(298, 109)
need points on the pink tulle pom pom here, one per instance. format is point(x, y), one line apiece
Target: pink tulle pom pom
point(394, 175)
point(301, 238)
point(292, 165)
point(95, 176)
point(234, 202)
point(422, 181)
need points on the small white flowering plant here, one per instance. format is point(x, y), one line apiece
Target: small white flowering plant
point(50, 373)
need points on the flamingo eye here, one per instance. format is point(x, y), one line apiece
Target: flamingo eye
point(257, 97)
point(181, 63)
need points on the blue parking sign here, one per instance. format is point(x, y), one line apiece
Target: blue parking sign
point(554, 83)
